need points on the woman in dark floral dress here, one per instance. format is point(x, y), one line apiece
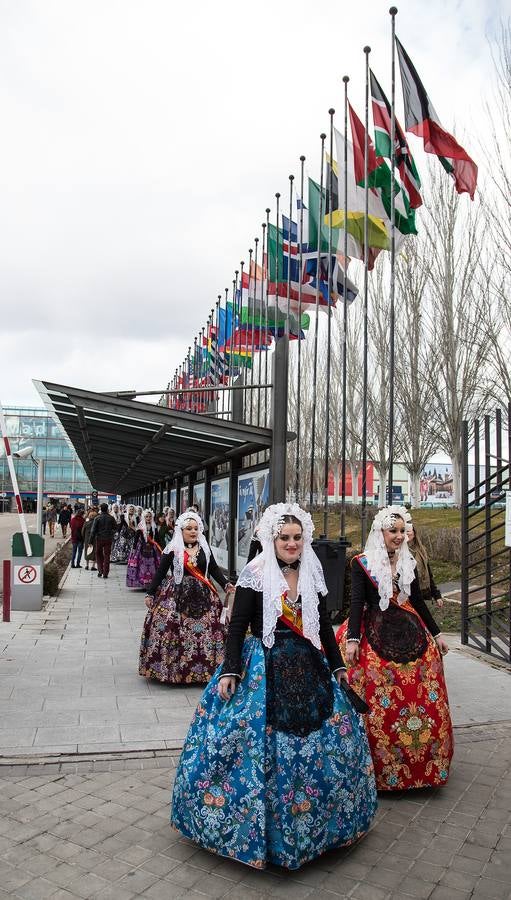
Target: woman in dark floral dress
point(276, 765)
point(145, 557)
point(184, 631)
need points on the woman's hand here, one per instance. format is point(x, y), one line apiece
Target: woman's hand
point(439, 602)
point(229, 588)
point(227, 686)
point(442, 644)
point(341, 675)
point(352, 652)
point(148, 601)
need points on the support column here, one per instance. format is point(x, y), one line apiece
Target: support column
point(279, 420)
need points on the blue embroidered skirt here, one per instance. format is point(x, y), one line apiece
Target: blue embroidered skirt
point(249, 791)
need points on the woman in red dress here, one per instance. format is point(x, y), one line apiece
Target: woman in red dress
point(393, 649)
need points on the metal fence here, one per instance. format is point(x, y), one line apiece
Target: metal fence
point(486, 561)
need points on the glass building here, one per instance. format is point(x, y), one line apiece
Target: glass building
point(64, 475)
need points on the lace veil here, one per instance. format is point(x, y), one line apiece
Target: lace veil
point(263, 573)
point(378, 558)
point(177, 545)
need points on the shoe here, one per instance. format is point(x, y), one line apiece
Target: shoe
point(86, 568)
point(78, 567)
point(73, 566)
point(94, 569)
point(100, 575)
point(105, 576)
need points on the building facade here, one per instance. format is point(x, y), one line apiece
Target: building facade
point(64, 475)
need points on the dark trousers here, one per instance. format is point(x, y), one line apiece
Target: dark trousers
point(103, 550)
point(77, 553)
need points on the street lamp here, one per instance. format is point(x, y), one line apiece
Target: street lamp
point(25, 453)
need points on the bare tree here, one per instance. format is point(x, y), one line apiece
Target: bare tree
point(497, 210)
point(416, 440)
point(458, 378)
point(378, 397)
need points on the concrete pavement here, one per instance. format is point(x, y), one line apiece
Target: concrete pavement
point(70, 678)
point(9, 523)
point(88, 759)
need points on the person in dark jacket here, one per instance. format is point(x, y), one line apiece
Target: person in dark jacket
point(102, 532)
point(64, 519)
point(77, 523)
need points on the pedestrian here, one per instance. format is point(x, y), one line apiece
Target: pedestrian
point(145, 556)
point(88, 543)
point(102, 532)
point(64, 519)
point(125, 536)
point(44, 519)
point(52, 519)
point(276, 766)
point(76, 527)
point(393, 648)
point(184, 631)
point(428, 588)
point(162, 530)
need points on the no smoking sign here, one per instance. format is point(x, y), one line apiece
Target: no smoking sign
point(27, 575)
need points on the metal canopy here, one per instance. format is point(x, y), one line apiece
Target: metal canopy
point(125, 445)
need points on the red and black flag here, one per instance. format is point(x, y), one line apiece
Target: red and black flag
point(422, 120)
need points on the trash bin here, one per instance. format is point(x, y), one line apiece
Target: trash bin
point(27, 573)
point(332, 555)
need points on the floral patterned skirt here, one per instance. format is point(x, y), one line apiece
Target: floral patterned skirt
point(142, 565)
point(122, 545)
point(250, 792)
point(409, 724)
point(182, 638)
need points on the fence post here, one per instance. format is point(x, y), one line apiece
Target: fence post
point(6, 590)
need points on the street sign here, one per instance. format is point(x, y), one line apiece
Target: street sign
point(27, 575)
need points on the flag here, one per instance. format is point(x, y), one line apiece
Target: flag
point(405, 163)
point(422, 120)
point(380, 178)
point(336, 274)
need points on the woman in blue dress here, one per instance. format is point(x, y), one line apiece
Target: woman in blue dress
point(276, 766)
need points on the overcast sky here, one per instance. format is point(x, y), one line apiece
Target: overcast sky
point(141, 141)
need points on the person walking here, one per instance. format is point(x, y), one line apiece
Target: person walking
point(76, 527)
point(102, 532)
point(52, 519)
point(88, 543)
point(184, 632)
point(64, 519)
point(44, 519)
point(394, 649)
point(276, 765)
point(144, 558)
point(428, 588)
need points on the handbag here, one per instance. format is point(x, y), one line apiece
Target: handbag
point(90, 549)
point(356, 701)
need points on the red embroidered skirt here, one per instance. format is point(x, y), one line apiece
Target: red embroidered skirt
point(409, 724)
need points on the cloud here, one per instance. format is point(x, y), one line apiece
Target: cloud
point(142, 143)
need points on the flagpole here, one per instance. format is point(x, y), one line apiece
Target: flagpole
point(367, 51)
point(263, 245)
point(299, 362)
point(250, 325)
point(393, 13)
point(286, 326)
point(256, 242)
point(315, 369)
point(268, 210)
point(345, 315)
point(331, 113)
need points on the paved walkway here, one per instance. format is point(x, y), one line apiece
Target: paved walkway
point(69, 678)
point(89, 755)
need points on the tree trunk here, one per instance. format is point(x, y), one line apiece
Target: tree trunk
point(354, 484)
point(337, 475)
point(382, 491)
point(415, 490)
point(456, 479)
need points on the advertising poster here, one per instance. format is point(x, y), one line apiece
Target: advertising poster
point(253, 496)
point(199, 498)
point(219, 522)
point(172, 503)
point(184, 498)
